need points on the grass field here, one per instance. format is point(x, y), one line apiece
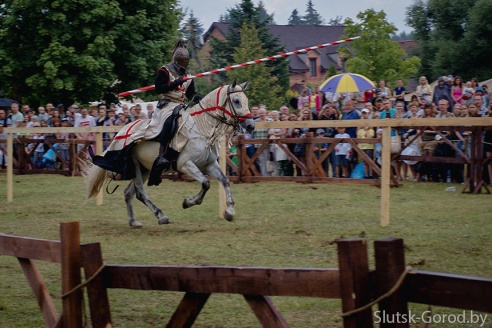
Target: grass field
point(277, 225)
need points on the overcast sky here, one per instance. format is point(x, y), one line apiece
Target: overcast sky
point(208, 11)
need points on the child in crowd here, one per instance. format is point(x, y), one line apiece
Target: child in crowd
point(341, 152)
point(468, 93)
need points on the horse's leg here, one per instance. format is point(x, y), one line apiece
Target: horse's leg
point(193, 171)
point(213, 169)
point(142, 194)
point(129, 194)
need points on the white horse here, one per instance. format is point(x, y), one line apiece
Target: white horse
point(200, 129)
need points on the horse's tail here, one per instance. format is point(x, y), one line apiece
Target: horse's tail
point(94, 177)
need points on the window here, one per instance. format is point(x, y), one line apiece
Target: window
point(312, 66)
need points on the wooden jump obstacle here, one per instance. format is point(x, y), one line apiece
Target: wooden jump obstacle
point(353, 282)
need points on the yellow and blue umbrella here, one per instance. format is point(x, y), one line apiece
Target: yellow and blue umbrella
point(346, 82)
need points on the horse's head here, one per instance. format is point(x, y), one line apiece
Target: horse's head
point(237, 105)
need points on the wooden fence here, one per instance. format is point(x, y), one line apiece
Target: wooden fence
point(312, 166)
point(353, 282)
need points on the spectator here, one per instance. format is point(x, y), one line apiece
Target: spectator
point(84, 121)
point(468, 93)
point(5, 122)
point(400, 91)
point(64, 146)
point(482, 109)
point(443, 109)
point(385, 91)
point(49, 108)
point(441, 91)
point(342, 151)
point(39, 147)
point(42, 115)
point(457, 90)
point(150, 110)
point(303, 98)
point(55, 114)
point(387, 111)
point(424, 89)
point(279, 156)
point(254, 112)
point(350, 113)
point(16, 116)
point(315, 100)
point(262, 134)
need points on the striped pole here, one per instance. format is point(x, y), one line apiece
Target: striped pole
point(256, 61)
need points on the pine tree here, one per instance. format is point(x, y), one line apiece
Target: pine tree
point(312, 16)
point(222, 50)
point(192, 31)
point(294, 18)
point(263, 85)
point(264, 15)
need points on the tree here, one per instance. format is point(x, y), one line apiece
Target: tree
point(263, 85)
point(73, 50)
point(264, 15)
point(375, 55)
point(312, 16)
point(192, 31)
point(451, 43)
point(222, 50)
point(294, 18)
point(332, 71)
point(337, 21)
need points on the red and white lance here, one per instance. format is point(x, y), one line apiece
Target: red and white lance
point(256, 61)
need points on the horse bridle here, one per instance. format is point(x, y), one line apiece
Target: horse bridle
point(226, 114)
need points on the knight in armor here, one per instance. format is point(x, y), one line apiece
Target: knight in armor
point(170, 84)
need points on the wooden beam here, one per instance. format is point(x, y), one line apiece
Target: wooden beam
point(71, 277)
point(385, 176)
point(31, 248)
point(390, 264)
point(223, 168)
point(99, 150)
point(35, 280)
point(354, 282)
point(322, 283)
point(188, 310)
point(450, 290)
point(92, 262)
point(10, 168)
point(265, 311)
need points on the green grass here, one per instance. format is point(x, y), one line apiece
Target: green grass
point(277, 225)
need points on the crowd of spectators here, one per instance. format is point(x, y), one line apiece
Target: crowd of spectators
point(59, 116)
point(451, 97)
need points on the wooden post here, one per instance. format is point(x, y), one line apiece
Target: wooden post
point(241, 156)
point(385, 176)
point(92, 261)
point(222, 163)
point(99, 150)
point(309, 154)
point(354, 281)
point(390, 263)
point(10, 167)
point(71, 277)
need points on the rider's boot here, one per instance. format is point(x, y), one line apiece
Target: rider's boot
point(160, 164)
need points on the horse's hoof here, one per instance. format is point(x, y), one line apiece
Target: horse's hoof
point(187, 203)
point(229, 214)
point(136, 225)
point(164, 221)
